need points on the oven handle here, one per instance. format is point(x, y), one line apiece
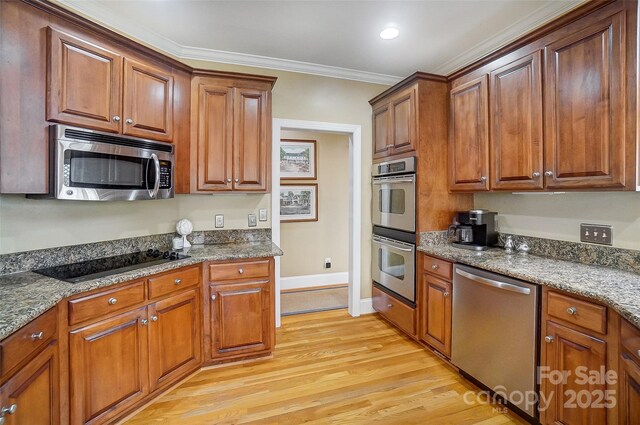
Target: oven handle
point(394, 246)
point(394, 180)
point(156, 186)
point(496, 284)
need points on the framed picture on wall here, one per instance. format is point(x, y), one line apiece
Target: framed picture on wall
point(298, 202)
point(298, 159)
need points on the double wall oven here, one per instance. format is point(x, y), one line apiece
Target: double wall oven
point(393, 256)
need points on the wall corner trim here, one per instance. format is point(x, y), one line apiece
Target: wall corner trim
point(366, 306)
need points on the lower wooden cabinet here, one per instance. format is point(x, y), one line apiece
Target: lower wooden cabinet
point(32, 395)
point(174, 338)
point(568, 350)
point(240, 318)
point(435, 313)
point(629, 397)
point(395, 311)
point(108, 367)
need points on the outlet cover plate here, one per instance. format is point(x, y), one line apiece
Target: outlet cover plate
point(596, 233)
point(262, 214)
point(219, 221)
point(252, 220)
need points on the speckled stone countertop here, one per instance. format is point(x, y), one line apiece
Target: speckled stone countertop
point(616, 288)
point(24, 296)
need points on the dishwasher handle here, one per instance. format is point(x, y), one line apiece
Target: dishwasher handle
point(496, 284)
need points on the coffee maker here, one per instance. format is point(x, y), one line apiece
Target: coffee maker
point(475, 229)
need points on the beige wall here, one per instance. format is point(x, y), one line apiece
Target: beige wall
point(307, 244)
point(559, 216)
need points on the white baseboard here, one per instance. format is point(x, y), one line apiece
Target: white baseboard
point(309, 281)
point(366, 306)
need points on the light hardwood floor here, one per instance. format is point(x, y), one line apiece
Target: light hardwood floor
point(328, 368)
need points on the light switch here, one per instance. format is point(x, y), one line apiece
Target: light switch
point(262, 214)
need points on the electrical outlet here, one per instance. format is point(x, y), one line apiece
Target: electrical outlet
point(262, 214)
point(252, 220)
point(596, 233)
point(327, 263)
point(219, 221)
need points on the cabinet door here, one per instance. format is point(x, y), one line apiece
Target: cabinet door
point(174, 338)
point(568, 352)
point(629, 391)
point(251, 140)
point(241, 321)
point(34, 391)
point(516, 129)
point(404, 125)
point(147, 106)
point(585, 108)
point(469, 137)
point(83, 83)
point(108, 367)
point(435, 314)
point(382, 140)
point(214, 141)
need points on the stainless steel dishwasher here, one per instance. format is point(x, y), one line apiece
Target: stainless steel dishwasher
point(495, 333)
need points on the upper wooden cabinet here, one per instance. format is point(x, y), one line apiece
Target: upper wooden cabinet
point(585, 107)
point(516, 124)
point(469, 136)
point(394, 124)
point(91, 85)
point(230, 133)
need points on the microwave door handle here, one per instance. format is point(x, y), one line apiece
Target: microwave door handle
point(393, 246)
point(156, 185)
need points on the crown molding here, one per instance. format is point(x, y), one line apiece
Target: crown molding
point(524, 25)
point(126, 26)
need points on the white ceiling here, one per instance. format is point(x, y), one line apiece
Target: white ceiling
point(335, 38)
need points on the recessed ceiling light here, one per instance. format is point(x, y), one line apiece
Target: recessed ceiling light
point(389, 33)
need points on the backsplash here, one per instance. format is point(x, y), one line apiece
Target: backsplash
point(599, 255)
point(49, 257)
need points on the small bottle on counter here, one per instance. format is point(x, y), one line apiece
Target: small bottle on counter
point(509, 245)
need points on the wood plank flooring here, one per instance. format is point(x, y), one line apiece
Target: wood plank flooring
point(328, 368)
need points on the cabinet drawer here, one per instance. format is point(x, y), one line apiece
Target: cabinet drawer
point(581, 313)
point(23, 343)
point(240, 270)
point(174, 281)
point(630, 339)
point(105, 302)
point(437, 267)
point(396, 311)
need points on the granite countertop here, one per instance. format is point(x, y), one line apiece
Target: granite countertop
point(616, 288)
point(24, 296)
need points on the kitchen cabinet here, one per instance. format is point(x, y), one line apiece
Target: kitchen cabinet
point(241, 309)
point(108, 367)
point(91, 84)
point(231, 134)
point(395, 311)
point(516, 137)
point(469, 136)
point(32, 395)
point(585, 107)
point(435, 313)
point(394, 124)
point(174, 338)
point(629, 374)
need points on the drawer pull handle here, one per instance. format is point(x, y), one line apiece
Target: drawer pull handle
point(549, 338)
point(213, 297)
point(154, 318)
point(144, 322)
point(435, 267)
point(129, 121)
point(36, 336)
point(177, 281)
point(572, 311)
point(389, 305)
point(9, 410)
point(112, 301)
point(446, 294)
point(638, 353)
point(241, 270)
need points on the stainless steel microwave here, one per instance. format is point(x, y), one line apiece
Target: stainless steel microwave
point(92, 165)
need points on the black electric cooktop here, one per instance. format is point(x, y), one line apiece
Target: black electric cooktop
point(100, 267)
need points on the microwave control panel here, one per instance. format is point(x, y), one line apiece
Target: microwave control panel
point(165, 175)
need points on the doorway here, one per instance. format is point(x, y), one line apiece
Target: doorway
point(353, 132)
